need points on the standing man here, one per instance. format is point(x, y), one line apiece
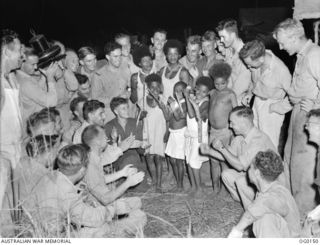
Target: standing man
point(240, 81)
point(208, 45)
point(158, 41)
point(112, 80)
point(304, 94)
point(10, 114)
point(271, 80)
point(192, 60)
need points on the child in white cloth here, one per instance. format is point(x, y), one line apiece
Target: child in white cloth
point(175, 149)
point(197, 131)
point(155, 127)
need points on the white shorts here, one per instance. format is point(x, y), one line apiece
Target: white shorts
point(176, 143)
point(192, 153)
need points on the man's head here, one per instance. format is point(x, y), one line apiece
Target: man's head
point(220, 73)
point(203, 87)
point(71, 61)
point(120, 107)
point(84, 88)
point(313, 126)
point(173, 49)
point(241, 120)
point(266, 166)
point(253, 54)
point(113, 53)
point(72, 161)
point(93, 112)
point(193, 48)
point(42, 122)
point(30, 62)
point(208, 43)
point(94, 137)
point(124, 41)
point(159, 39)
point(88, 59)
point(76, 107)
point(288, 34)
point(10, 50)
point(143, 58)
point(154, 83)
point(44, 148)
point(228, 32)
point(54, 113)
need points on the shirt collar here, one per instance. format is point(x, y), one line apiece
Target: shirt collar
point(267, 188)
point(305, 48)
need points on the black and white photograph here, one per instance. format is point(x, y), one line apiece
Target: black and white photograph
point(159, 119)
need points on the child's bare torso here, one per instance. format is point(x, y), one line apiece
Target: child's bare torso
point(220, 107)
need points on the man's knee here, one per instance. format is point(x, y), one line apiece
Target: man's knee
point(228, 176)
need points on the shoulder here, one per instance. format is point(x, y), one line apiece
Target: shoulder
point(160, 72)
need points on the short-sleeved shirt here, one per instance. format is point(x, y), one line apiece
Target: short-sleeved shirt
point(131, 127)
point(277, 199)
point(76, 139)
point(240, 80)
point(306, 76)
point(55, 198)
point(274, 81)
point(108, 83)
point(247, 148)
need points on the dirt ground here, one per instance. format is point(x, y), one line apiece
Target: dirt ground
point(170, 214)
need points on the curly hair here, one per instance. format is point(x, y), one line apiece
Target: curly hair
point(205, 81)
point(173, 43)
point(153, 78)
point(269, 163)
point(219, 70)
point(140, 53)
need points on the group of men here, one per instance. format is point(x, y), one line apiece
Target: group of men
point(282, 194)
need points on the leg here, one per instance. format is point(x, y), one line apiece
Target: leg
point(229, 177)
point(149, 162)
point(191, 178)
point(245, 191)
point(271, 226)
point(180, 166)
point(215, 175)
point(197, 181)
point(174, 166)
point(158, 163)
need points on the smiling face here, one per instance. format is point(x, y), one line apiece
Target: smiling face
point(155, 88)
point(115, 58)
point(208, 48)
point(97, 117)
point(201, 91)
point(193, 52)
point(158, 40)
point(122, 111)
point(173, 55)
point(89, 62)
point(220, 83)
point(85, 89)
point(146, 64)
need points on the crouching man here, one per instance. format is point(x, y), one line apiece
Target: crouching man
point(273, 212)
point(58, 205)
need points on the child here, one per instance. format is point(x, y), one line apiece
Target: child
point(155, 127)
point(222, 100)
point(197, 130)
point(177, 126)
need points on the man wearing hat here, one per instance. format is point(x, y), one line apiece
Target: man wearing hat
point(66, 82)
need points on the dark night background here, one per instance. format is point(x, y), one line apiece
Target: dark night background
point(78, 23)
point(94, 22)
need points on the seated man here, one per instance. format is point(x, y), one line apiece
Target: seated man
point(274, 212)
point(95, 138)
point(56, 197)
point(123, 127)
point(93, 113)
point(248, 142)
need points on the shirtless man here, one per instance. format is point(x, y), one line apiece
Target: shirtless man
point(222, 100)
